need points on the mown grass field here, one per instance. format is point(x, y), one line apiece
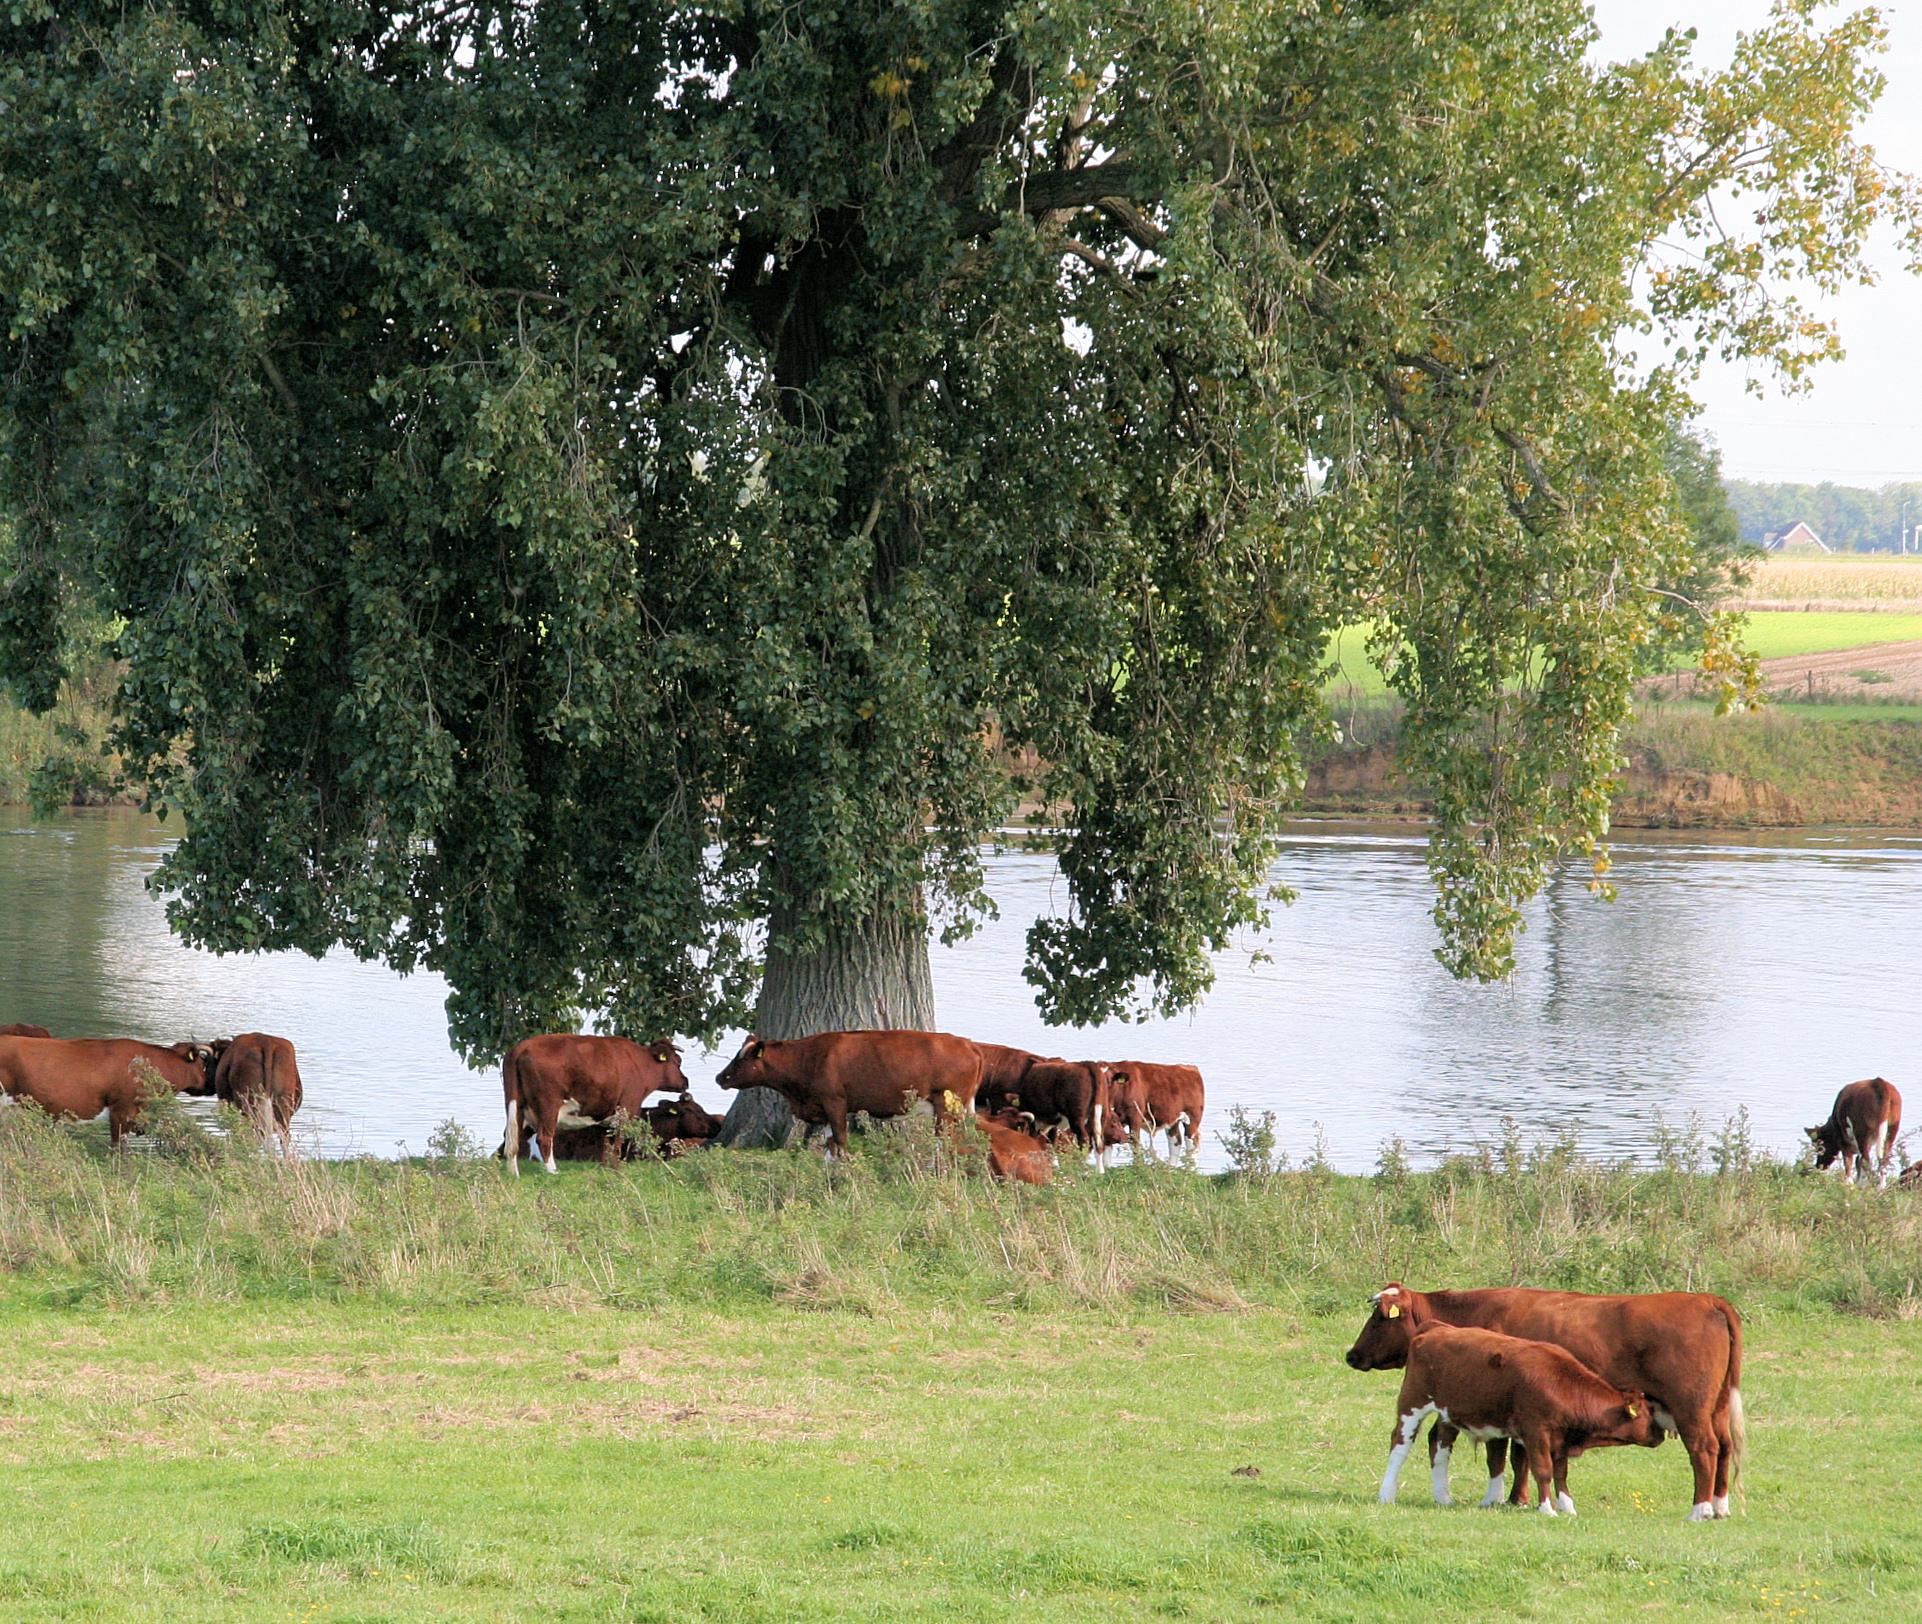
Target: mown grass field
point(742, 1387)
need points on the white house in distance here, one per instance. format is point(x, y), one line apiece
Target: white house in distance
point(1798, 539)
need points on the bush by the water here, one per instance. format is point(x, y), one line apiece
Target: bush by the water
point(899, 1224)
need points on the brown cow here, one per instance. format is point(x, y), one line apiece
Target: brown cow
point(597, 1077)
point(591, 1142)
point(257, 1074)
point(1072, 1096)
point(1493, 1386)
point(682, 1121)
point(1015, 1155)
point(1162, 1099)
point(1002, 1069)
point(1682, 1348)
point(828, 1077)
point(20, 1029)
point(81, 1077)
point(1861, 1129)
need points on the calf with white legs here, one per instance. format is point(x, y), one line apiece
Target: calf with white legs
point(1487, 1386)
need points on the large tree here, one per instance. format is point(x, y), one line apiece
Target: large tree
point(585, 488)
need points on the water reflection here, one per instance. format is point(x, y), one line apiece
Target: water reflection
point(1757, 970)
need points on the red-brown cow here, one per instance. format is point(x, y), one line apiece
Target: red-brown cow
point(682, 1121)
point(258, 1075)
point(588, 1078)
point(1163, 1099)
point(1493, 1386)
point(20, 1029)
point(1861, 1129)
point(1002, 1069)
point(1072, 1096)
point(1015, 1155)
point(1682, 1348)
point(81, 1077)
point(830, 1076)
point(594, 1142)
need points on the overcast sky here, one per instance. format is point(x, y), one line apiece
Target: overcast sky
point(1861, 422)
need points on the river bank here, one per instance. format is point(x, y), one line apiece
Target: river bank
point(1689, 769)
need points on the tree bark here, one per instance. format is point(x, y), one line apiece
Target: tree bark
point(871, 974)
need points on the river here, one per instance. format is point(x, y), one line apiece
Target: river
point(1735, 970)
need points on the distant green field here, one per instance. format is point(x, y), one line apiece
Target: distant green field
point(1773, 634)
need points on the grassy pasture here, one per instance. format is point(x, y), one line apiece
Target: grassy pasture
point(742, 1387)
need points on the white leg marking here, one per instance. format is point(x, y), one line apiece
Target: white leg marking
point(1497, 1492)
point(1393, 1475)
point(1548, 1505)
point(1720, 1502)
point(1566, 1501)
point(1702, 1512)
point(514, 1137)
point(549, 1163)
point(1439, 1478)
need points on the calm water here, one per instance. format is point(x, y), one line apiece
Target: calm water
point(1742, 970)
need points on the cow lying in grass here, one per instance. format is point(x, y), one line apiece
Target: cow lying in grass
point(1493, 1386)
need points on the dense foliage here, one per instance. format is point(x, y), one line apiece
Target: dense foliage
point(577, 483)
point(1848, 518)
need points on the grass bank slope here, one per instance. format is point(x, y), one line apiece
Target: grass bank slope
point(740, 1388)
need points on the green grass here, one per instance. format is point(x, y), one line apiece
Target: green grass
point(743, 1388)
point(1775, 634)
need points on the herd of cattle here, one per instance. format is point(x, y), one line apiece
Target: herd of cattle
point(1541, 1375)
point(567, 1095)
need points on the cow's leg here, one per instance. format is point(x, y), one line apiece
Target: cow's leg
point(1704, 1455)
point(1724, 1460)
point(511, 1145)
point(1564, 1501)
point(120, 1118)
point(1541, 1467)
point(837, 1116)
point(1401, 1440)
point(547, 1125)
point(1497, 1472)
point(1441, 1443)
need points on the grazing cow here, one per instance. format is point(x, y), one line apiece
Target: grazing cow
point(591, 1079)
point(81, 1077)
point(20, 1029)
point(1071, 1096)
point(1493, 1386)
point(830, 1076)
point(1682, 1348)
point(257, 1074)
point(1861, 1129)
point(1015, 1155)
point(1002, 1069)
point(1161, 1099)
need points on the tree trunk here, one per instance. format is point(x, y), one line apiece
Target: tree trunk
point(869, 975)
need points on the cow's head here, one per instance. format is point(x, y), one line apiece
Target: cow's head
point(204, 1055)
point(1827, 1144)
point(1630, 1422)
point(669, 1057)
point(1383, 1343)
point(750, 1068)
point(1128, 1104)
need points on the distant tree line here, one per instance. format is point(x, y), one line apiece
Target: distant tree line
point(1847, 517)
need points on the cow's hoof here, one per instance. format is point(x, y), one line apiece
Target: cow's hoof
point(1444, 1499)
point(1566, 1503)
point(1721, 1505)
point(1702, 1513)
point(1548, 1508)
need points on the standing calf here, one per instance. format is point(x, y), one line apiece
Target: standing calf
point(1493, 1386)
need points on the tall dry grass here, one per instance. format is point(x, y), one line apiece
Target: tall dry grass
point(1835, 583)
point(899, 1225)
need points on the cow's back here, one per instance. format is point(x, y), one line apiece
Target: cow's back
point(875, 1071)
point(601, 1074)
point(83, 1074)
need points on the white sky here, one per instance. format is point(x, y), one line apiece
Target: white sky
point(1860, 423)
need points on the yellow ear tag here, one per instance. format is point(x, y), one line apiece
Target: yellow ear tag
point(1392, 1311)
point(1633, 1412)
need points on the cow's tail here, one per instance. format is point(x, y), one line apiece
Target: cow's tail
point(511, 1088)
point(1732, 1397)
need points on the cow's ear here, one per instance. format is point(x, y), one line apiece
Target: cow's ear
point(1815, 1134)
point(1494, 1361)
